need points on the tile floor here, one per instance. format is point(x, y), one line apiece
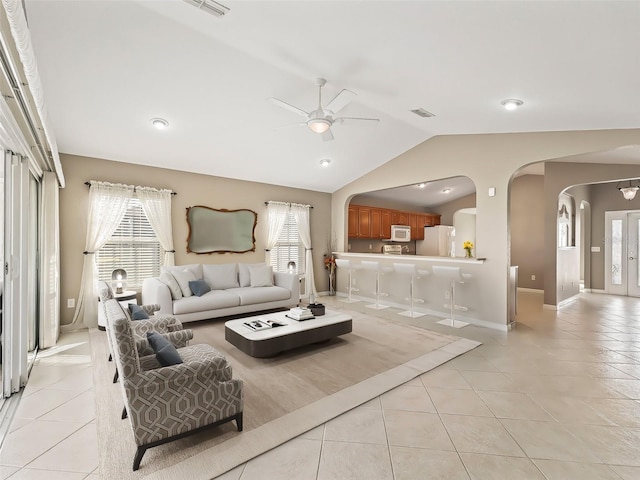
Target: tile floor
point(557, 398)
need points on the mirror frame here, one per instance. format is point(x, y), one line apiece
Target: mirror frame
point(223, 248)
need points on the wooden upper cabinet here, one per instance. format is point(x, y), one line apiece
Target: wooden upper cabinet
point(385, 231)
point(399, 218)
point(364, 222)
point(376, 222)
point(353, 221)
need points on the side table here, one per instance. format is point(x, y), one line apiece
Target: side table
point(126, 297)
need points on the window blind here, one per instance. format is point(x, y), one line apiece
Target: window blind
point(288, 248)
point(133, 247)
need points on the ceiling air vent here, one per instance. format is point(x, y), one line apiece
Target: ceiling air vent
point(421, 112)
point(209, 6)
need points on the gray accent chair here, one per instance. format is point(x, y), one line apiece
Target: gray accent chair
point(167, 403)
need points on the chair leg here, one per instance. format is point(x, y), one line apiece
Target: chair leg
point(138, 458)
point(239, 421)
point(115, 376)
point(124, 413)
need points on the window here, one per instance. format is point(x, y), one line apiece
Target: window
point(133, 247)
point(288, 248)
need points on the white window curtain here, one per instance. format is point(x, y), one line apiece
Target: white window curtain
point(157, 207)
point(50, 266)
point(301, 214)
point(277, 216)
point(107, 205)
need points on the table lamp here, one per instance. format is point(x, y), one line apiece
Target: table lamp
point(119, 277)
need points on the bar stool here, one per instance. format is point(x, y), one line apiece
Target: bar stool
point(380, 270)
point(350, 267)
point(454, 276)
point(414, 274)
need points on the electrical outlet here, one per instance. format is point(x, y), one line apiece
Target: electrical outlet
point(533, 277)
point(71, 302)
point(447, 294)
point(370, 247)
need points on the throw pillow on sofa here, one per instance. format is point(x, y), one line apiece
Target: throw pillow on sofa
point(183, 278)
point(221, 277)
point(166, 353)
point(170, 281)
point(199, 287)
point(137, 312)
point(244, 275)
point(261, 276)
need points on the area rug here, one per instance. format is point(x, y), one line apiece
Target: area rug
point(284, 396)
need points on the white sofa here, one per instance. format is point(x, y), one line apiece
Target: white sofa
point(235, 288)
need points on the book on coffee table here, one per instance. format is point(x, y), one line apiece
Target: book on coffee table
point(300, 314)
point(256, 325)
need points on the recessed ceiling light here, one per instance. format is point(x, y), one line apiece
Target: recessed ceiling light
point(325, 162)
point(422, 185)
point(446, 190)
point(159, 123)
point(511, 103)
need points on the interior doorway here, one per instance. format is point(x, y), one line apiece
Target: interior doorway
point(622, 267)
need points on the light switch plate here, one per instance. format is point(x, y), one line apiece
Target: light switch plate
point(492, 191)
point(595, 249)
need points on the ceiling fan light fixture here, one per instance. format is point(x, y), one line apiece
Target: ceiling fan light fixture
point(318, 125)
point(511, 103)
point(629, 191)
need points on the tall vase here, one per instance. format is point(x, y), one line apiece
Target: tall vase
point(332, 282)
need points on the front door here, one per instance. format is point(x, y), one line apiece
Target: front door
point(622, 264)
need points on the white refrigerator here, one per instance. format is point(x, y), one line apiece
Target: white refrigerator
point(438, 242)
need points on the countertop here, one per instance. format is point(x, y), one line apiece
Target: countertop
point(409, 257)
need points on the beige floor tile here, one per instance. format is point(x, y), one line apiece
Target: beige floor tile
point(474, 362)
point(413, 463)
point(234, 474)
point(32, 440)
point(17, 423)
point(42, 402)
point(81, 381)
point(621, 412)
point(414, 383)
point(548, 440)
point(416, 429)
point(629, 388)
point(6, 472)
point(495, 467)
point(362, 425)
point(556, 470)
point(614, 445)
point(480, 435)
point(627, 473)
point(34, 474)
point(373, 403)
point(489, 381)
point(314, 434)
point(443, 377)
point(77, 453)
point(79, 409)
point(297, 459)
point(570, 409)
point(47, 375)
point(629, 369)
point(411, 398)
point(458, 402)
point(353, 461)
point(95, 476)
point(514, 405)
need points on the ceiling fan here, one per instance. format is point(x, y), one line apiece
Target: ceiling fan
point(321, 119)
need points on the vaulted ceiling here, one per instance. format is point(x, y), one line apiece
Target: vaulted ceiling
point(109, 67)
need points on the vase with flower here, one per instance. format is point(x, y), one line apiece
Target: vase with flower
point(330, 266)
point(468, 246)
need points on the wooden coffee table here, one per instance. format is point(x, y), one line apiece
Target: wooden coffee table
point(292, 333)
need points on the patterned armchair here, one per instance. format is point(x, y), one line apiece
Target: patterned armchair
point(167, 403)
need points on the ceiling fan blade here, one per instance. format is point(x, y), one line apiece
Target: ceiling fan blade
point(289, 107)
point(290, 125)
point(327, 136)
point(340, 100)
point(355, 120)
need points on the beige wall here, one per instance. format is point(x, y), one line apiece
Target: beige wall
point(446, 210)
point(526, 220)
point(490, 161)
point(193, 189)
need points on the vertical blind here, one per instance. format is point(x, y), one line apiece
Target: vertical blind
point(288, 248)
point(133, 247)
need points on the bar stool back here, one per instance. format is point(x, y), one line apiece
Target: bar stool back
point(379, 270)
point(349, 267)
point(454, 276)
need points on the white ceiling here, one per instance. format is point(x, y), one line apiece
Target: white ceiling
point(108, 67)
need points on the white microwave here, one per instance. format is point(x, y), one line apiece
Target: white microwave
point(400, 233)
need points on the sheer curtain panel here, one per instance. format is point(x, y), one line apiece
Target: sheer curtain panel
point(301, 214)
point(50, 248)
point(277, 216)
point(107, 204)
point(157, 207)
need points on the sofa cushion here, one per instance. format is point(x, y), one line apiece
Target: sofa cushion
point(243, 273)
point(212, 300)
point(170, 281)
point(195, 268)
point(183, 278)
point(252, 296)
point(261, 276)
point(199, 287)
point(222, 276)
point(137, 312)
point(166, 353)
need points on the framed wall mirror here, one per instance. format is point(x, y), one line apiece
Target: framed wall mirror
point(221, 231)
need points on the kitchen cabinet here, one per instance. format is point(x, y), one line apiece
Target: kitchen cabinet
point(353, 221)
point(386, 223)
point(399, 218)
point(364, 222)
point(375, 222)
point(375, 218)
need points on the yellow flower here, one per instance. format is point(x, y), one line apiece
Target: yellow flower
point(467, 245)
